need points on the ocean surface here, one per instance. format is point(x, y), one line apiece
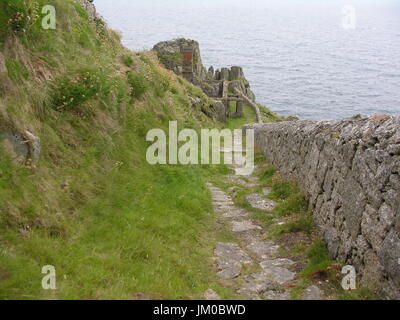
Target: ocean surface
point(316, 59)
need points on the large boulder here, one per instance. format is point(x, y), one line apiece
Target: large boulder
point(210, 81)
point(236, 73)
point(23, 148)
point(212, 89)
point(169, 53)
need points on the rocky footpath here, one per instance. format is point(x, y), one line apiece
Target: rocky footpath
point(350, 171)
point(251, 264)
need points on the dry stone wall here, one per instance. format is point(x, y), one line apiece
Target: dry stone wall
point(350, 171)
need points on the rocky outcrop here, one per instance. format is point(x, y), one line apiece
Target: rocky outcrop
point(89, 7)
point(350, 170)
point(211, 81)
point(23, 148)
point(169, 53)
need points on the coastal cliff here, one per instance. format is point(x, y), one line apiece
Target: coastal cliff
point(349, 170)
point(211, 80)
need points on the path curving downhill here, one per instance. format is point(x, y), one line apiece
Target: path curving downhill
point(273, 274)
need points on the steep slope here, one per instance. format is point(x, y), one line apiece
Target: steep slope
point(89, 204)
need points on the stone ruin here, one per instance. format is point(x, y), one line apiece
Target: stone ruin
point(226, 85)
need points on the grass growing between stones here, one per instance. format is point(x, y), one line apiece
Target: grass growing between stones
point(291, 225)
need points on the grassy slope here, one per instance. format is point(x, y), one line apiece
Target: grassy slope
point(111, 224)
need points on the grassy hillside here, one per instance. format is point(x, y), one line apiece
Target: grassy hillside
point(112, 225)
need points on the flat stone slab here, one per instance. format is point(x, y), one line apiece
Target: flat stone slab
point(263, 249)
point(275, 295)
point(210, 294)
point(257, 287)
point(258, 202)
point(219, 198)
point(237, 213)
point(225, 208)
point(228, 268)
point(281, 262)
point(266, 191)
point(223, 203)
point(232, 251)
point(241, 181)
point(312, 293)
point(246, 225)
point(279, 274)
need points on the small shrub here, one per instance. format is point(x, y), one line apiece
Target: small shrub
point(75, 88)
point(267, 173)
point(283, 189)
point(128, 61)
point(303, 224)
point(295, 204)
point(137, 83)
point(319, 259)
point(16, 71)
point(20, 14)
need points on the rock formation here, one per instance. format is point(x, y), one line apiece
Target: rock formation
point(350, 170)
point(211, 81)
point(89, 7)
point(23, 148)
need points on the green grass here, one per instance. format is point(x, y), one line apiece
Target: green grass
point(127, 60)
point(138, 84)
point(114, 226)
point(16, 71)
point(248, 117)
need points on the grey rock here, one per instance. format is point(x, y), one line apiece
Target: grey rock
point(258, 202)
point(389, 255)
point(233, 252)
point(210, 73)
point(210, 294)
point(220, 110)
point(312, 293)
point(236, 213)
point(236, 73)
point(257, 287)
point(224, 74)
point(90, 8)
point(225, 208)
point(228, 268)
point(279, 274)
point(223, 204)
point(170, 53)
point(263, 249)
point(266, 191)
point(276, 295)
point(276, 263)
point(246, 225)
point(21, 147)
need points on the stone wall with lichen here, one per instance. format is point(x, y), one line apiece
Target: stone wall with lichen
point(350, 170)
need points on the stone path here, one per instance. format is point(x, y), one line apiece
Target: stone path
point(251, 250)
